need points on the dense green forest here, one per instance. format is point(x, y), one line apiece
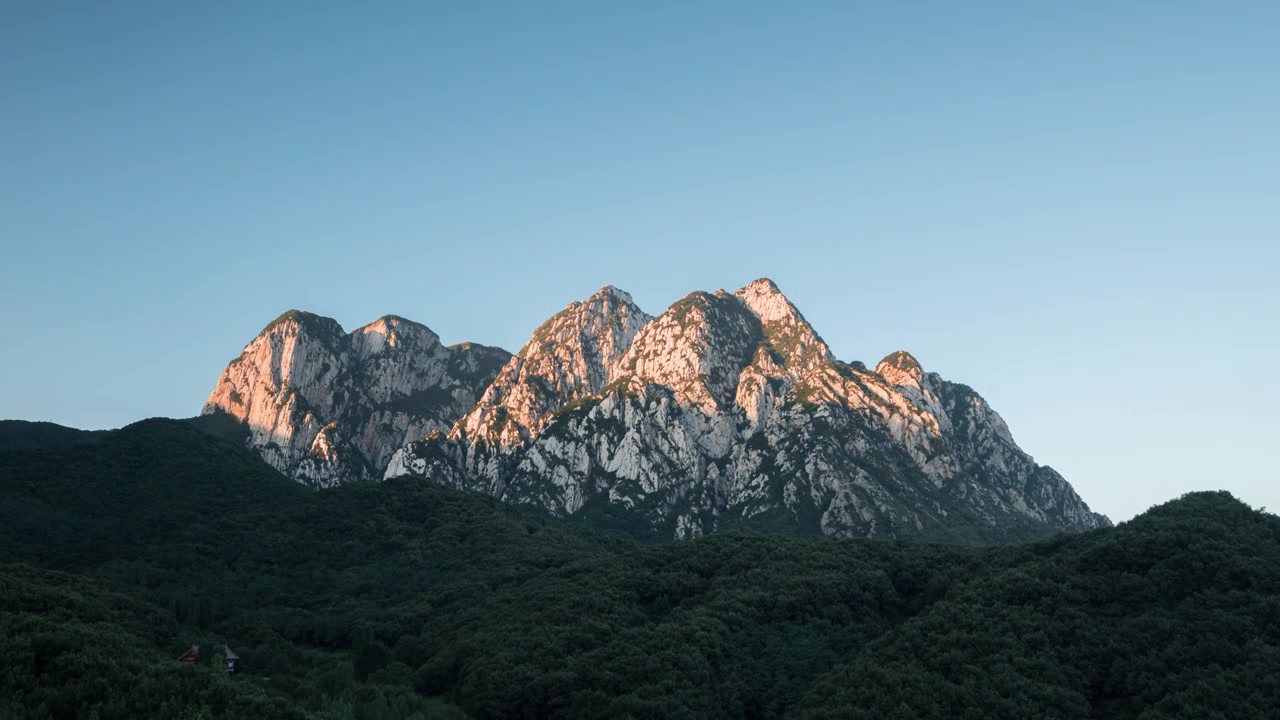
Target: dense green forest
point(120, 550)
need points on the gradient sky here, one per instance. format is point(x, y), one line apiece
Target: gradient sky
point(1072, 207)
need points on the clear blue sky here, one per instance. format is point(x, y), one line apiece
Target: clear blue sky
point(1072, 207)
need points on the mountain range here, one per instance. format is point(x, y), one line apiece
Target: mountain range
point(726, 410)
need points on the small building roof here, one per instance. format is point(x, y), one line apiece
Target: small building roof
point(230, 655)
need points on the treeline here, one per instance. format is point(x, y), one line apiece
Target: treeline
point(402, 599)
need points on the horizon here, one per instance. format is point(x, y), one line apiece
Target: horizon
point(1069, 209)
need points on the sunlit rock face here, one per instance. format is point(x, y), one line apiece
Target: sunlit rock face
point(730, 410)
point(326, 407)
point(570, 357)
point(727, 409)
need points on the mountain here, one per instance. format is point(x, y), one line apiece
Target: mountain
point(726, 410)
point(409, 599)
point(569, 358)
point(327, 407)
point(730, 410)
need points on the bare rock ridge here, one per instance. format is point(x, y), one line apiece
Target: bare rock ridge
point(726, 410)
point(327, 407)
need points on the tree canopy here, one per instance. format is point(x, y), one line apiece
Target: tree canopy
point(404, 599)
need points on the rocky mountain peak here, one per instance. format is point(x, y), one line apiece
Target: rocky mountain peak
point(326, 407)
point(730, 409)
point(789, 336)
point(392, 332)
point(761, 284)
point(390, 323)
point(902, 360)
point(726, 409)
point(901, 368)
point(698, 348)
point(300, 321)
point(767, 301)
point(569, 356)
point(609, 311)
point(614, 293)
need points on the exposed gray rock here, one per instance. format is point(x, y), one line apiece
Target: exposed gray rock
point(326, 407)
point(730, 409)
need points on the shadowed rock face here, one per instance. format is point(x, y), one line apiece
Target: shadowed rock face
point(731, 410)
point(326, 407)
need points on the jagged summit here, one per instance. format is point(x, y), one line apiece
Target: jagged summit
point(788, 335)
point(725, 409)
point(392, 332)
point(900, 369)
point(608, 302)
point(696, 298)
point(697, 347)
point(729, 408)
point(763, 284)
point(568, 357)
point(393, 321)
point(615, 292)
point(901, 360)
point(323, 326)
point(325, 407)
point(767, 301)
point(311, 322)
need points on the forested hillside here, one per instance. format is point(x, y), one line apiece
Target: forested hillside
point(405, 599)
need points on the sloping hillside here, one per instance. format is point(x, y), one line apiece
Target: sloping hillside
point(404, 598)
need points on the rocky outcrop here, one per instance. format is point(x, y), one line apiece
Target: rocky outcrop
point(326, 407)
point(731, 410)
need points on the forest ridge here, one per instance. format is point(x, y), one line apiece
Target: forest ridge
point(408, 599)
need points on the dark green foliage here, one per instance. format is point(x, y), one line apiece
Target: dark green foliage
point(71, 649)
point(390, 600)
point(368, 655)
point(219, 424)
point(21, 435)
point(473, 361)
point(1173, 615)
